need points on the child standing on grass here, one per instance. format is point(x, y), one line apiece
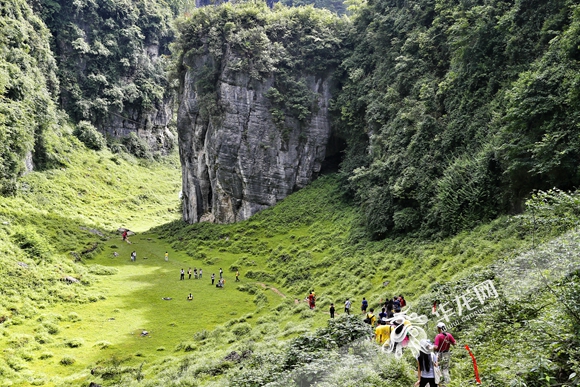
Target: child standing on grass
point(200, 273)
point(195, 272)
point(182, 275)
point(212, 278)
point(189, 273)
point(166, 256)
point(331, 310)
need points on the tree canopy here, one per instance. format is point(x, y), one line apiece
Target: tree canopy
point(462, 109)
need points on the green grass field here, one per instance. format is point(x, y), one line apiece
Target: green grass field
point(64, 223)
point(102, 318)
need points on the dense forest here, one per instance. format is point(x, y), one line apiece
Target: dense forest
point(455, 111)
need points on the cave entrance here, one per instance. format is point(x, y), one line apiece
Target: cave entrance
point(334, 155)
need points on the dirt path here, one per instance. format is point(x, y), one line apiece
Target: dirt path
point(272, 289)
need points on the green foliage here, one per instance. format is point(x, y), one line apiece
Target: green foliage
point(337, 6)
point(67, 360)
point(35, 246)
point(89, 136)
point(466, 109)
point(286, 45)
point(27, 79)
point(110, 57)
point(137, 146)
point(552, 212)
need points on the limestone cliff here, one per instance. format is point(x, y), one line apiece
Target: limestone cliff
point(241, 164)
point(250, 131)
point(112, 60)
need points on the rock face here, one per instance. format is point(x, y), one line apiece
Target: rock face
point(241, 162)
point(151, 125)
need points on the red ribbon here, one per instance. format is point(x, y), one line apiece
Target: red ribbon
point(475, 370)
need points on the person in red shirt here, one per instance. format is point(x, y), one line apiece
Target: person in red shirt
point(311, 300)
point(443, 342)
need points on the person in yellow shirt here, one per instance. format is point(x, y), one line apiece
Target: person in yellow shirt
point(371, 318)
point(383, 332)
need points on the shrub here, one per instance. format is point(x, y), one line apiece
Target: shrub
point(74, 343)
point(201, 335)
point(15, 363)
point(19, 340)
point(89, 136)
point(32, 243)
point(102, 270)
point(43, 338)
point(260, 299)
point(103, 344)
point(186, 346)
point(67, 360)
point(241, 329)
point(260, 275)
point(45, 355)
point(51, 328)
point(137, 146)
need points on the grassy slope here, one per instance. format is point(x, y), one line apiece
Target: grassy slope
point(51, 217)
point(54, 216)
point(308, 241)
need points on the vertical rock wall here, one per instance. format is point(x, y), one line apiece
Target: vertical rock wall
point(240, 163)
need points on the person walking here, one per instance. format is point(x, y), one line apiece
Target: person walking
point(370, 318)
point(383, 332)
point(133, 256)
point(166, 256)
point(443, 342)
point(396, 305)
point(212, 278)
point(200, 272)
point(364, 305)
point(402, 301)
point(182, 275)
point(189, 273)
point(426, 363)
point(383, 314)
point(195, 272)
point(237, 276)
point(221, 273)
point(389, 307)
point(331, 310)
point(347, 305)
point(311, 300)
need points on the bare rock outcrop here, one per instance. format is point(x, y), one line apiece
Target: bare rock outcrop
point(242, 162)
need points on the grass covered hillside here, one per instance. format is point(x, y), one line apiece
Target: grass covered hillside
point(259, 331)
point(51, 228)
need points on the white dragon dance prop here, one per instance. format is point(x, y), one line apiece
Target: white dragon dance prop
point(406, 333)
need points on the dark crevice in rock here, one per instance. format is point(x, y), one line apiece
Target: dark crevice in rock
point(334, 155)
